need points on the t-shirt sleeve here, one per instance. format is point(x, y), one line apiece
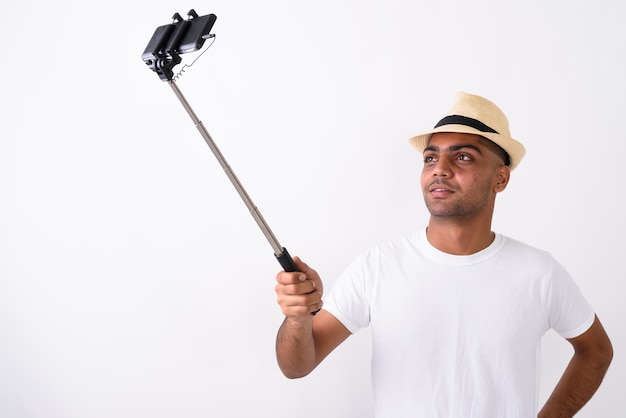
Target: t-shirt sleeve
point(347, 300)
point(570, 313)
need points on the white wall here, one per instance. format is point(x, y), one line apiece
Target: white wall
point(134, 283)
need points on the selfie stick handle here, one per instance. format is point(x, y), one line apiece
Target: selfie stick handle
point(280, 252)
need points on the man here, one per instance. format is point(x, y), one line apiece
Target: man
point(456, 310)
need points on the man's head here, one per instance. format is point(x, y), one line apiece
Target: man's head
point(473, 114)
point(462, 175)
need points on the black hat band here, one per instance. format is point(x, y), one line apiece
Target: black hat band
point(464, 120)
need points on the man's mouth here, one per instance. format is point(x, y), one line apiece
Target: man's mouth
point(439, 187)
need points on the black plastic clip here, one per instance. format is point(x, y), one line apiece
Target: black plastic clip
point(179, 37)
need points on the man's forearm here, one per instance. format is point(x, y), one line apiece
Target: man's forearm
point(579, 382)
point(295, 348)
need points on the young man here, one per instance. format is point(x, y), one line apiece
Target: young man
point(456, 310)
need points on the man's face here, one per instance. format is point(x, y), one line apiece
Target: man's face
point(461, 176)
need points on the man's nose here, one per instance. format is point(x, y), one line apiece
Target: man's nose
point(442, 168)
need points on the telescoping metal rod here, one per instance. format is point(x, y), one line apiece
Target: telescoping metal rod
point(278, 249)
point(280, 252)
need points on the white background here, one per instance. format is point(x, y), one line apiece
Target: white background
point(133, 281)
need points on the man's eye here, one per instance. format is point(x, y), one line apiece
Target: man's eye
point(429, 159)
point(464, 157)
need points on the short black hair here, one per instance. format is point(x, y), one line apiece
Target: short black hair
point(496, 149)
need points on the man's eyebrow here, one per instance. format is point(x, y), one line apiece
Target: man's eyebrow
point(453, 148)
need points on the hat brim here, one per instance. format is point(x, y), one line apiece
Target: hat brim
point(514, 148)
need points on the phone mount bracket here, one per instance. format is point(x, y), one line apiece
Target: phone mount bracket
point(170, 41)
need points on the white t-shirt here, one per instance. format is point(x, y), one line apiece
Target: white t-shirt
point(457, 336)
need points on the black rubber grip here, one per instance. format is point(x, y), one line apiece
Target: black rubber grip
point(286, 261)
point(288, 264)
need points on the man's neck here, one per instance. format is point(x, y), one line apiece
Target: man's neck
point(459, 237)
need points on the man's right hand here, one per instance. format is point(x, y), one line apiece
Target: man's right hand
point(299, 293)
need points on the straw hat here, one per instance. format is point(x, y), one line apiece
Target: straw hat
point(476, 115)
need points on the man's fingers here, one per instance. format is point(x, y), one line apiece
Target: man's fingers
point(301, 288)
point(299, 293)
point(294, 305)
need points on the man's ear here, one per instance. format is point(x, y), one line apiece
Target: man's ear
point(502, 178)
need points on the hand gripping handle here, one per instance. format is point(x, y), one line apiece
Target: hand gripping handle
point(285, 260)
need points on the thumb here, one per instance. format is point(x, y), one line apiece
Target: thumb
point(310, 273)
point(302, 266)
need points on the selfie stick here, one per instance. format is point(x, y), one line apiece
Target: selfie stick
point(162, 54)
point(280, 252)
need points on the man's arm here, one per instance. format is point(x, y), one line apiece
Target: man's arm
point(304, 340)
point(593, 353)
